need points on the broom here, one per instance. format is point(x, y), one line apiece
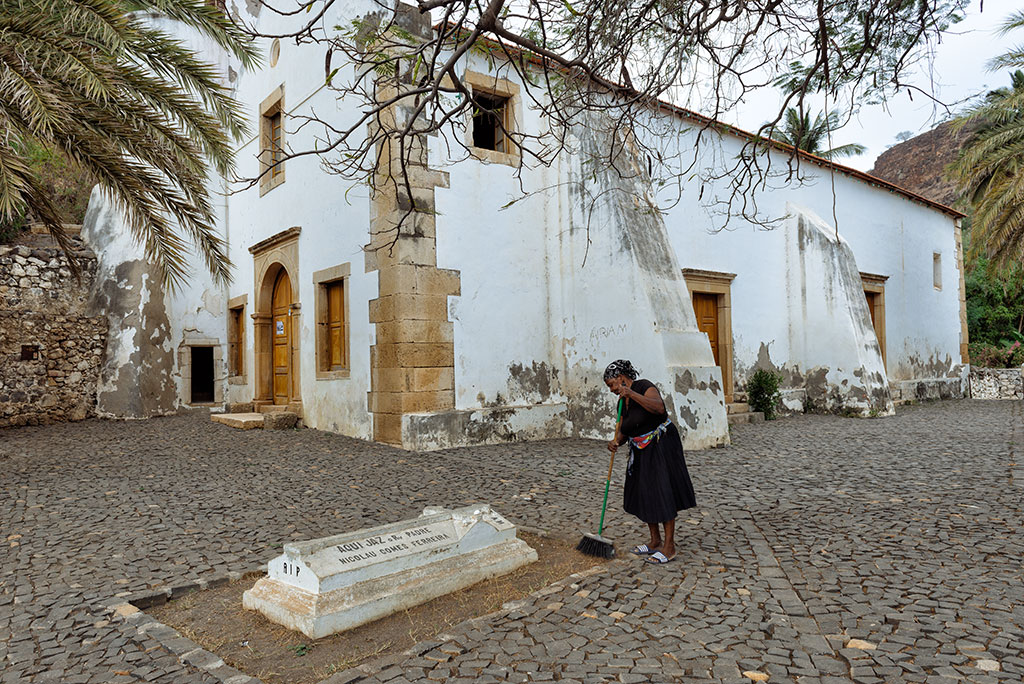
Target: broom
point(595, 544)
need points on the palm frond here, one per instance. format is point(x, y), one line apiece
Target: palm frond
point(129, 105)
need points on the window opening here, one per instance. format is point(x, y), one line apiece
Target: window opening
point(275, 143)
point(236, 348)
point(336, 354)
point(202, 375)
point(937, 270)
point(490, 122)
point(29, 352)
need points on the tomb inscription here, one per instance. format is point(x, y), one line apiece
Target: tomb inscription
point(327, 585)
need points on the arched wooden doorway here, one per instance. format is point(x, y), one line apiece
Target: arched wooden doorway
point(281, 334)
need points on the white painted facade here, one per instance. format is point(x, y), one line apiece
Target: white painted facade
point(550, 295)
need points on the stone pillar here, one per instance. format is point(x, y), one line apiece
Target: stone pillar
point(413, 360)
point(262, 345)
point(965, 356)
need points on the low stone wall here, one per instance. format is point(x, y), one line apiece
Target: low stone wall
point(50, 351)
point(997, 383)
point(927, 389)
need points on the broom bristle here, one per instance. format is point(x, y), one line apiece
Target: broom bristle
point(597, 546)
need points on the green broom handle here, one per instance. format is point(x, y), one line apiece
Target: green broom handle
point(608, 481)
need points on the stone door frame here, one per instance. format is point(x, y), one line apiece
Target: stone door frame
point(875, 284)
point(271, 256)
point(185, 369)
point(719, 284)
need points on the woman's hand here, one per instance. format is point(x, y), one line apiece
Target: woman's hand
point(623, 390)
point(613, 446)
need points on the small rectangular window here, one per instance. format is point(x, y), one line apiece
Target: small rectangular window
point(332, 343)
point(336, 353)
point(272, 141)
point(236, 341)
point(937, 270)
point(29, 352)
point(490, 121)
point(276, 144)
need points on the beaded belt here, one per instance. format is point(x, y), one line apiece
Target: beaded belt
point(644, 440)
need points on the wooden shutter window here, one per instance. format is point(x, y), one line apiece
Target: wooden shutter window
point(276, 144)
point(336, 351)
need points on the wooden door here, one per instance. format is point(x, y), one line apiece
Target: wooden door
point(872, 297)
point(705, 306)
point(281, 333)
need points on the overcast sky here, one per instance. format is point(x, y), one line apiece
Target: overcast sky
point(959, 72)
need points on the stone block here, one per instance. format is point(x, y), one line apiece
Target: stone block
point(408, 249)
point(412, 355)
point(241, 407)
point(411, 402)
point(408, 307)
point(413, 330)
point(397, 278)
point(280, 420)
point(387, 428)
point(445, 281)
point(413, 379)
point(241, 421)
point(329, 585)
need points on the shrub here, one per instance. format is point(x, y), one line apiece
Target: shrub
point(996, 356)
point(763, 392)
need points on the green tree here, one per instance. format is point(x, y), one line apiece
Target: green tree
point(812, 136)
point(989, 168)
point(96, 82)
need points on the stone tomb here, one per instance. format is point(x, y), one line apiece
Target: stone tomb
point(328, 585)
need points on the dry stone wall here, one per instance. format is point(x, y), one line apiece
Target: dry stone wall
point(997, 383)
point(50, 352)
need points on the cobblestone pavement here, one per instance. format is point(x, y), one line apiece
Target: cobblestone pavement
point(903, 532)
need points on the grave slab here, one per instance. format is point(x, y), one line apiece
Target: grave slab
point(329, 585)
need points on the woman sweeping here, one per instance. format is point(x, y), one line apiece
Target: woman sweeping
point(657, 482)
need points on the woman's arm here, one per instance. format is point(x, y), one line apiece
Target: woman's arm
point(650, 400)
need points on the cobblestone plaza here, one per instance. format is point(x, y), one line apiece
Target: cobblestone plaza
point(812, 533)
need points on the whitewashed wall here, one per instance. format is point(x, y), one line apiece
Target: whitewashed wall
point(550, 296)
point(889, 234)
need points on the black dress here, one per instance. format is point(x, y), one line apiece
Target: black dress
point(657, 482)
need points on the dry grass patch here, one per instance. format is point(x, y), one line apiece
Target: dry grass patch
point(247, 641)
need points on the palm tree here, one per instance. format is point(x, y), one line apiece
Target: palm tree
point(127, 104)
point(990, 168)
point(803, 134)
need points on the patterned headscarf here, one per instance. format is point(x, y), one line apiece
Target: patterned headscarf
point(620, 367)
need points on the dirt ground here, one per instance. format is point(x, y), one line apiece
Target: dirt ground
point(248, 642)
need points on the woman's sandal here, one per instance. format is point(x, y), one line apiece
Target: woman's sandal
point(642, 550)
point(658, 558)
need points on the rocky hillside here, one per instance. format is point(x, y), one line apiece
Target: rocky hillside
point(918, 164)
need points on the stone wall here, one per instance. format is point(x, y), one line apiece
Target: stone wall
point(50, 353)
point(997, 383)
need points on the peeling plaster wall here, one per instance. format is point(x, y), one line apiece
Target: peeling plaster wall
point(137, 378)
point(569, 293)
point(841, 362)
point(888, 235)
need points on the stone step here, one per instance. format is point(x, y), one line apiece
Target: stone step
point(748, 417)
point(280, 420)
point(242, 421)
point(738, 407)
point(294, 407)
point(274, 420)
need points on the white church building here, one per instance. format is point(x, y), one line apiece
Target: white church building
point(487, 324)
